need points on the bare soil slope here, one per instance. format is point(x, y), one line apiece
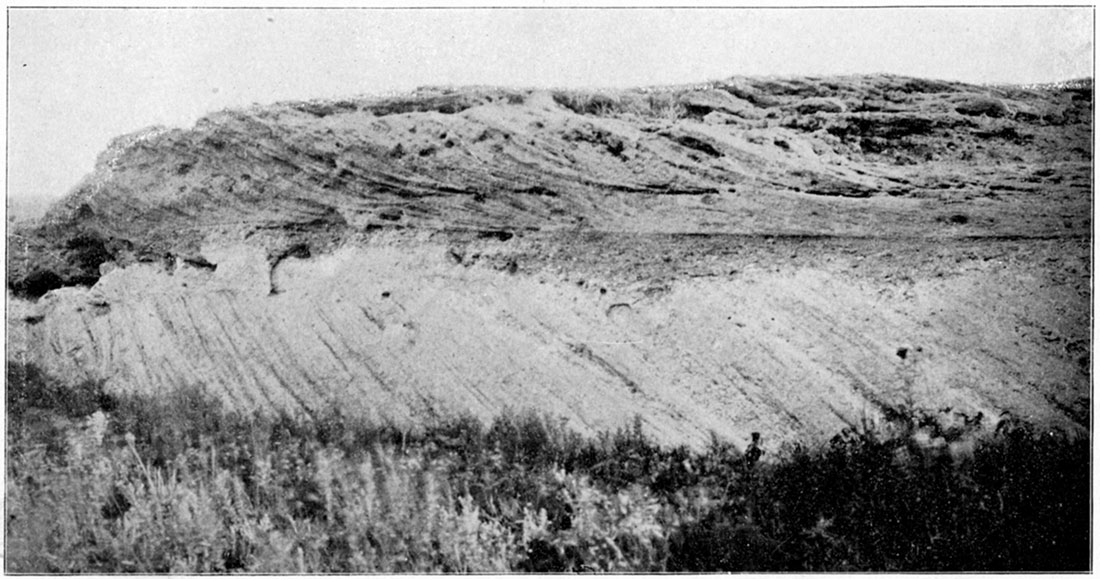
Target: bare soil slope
point(785, 256)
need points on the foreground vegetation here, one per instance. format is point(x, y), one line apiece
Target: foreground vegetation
point(101, 484)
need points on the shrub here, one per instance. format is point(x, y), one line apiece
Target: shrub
point(36, 284)
point(29, 388)
point(987, 106)
point(177, 484)
point(604, 533)
point(595, 104)
point(819, 104)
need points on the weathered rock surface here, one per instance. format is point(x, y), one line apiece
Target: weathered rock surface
point(785, 256)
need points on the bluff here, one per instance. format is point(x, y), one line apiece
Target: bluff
point(787, 256)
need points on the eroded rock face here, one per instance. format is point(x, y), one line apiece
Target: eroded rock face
point(396, 329)
point(735, 257)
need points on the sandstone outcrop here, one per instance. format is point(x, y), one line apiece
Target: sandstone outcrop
point(747, 255)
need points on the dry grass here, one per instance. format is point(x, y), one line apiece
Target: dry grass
point(102, 484)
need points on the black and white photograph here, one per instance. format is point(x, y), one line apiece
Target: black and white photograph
point(543, 288)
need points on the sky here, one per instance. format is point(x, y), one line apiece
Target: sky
point(77, 78)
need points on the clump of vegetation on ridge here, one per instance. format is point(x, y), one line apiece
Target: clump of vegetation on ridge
point(102, 483)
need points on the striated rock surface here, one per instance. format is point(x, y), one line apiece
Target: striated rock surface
point(789, 256)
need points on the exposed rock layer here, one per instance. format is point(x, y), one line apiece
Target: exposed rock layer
point(784, 256)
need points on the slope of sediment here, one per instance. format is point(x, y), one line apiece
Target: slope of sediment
point(788, 256)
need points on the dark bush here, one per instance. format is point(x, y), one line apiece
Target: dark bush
point(1021, 504)
point(40, 409)
point(722, 543)
point(324, 109)
point(81, 257)
point(446, 104)
point(987, 106)
point(926, 86)
point(819, 104)
point(587, 104)
point(28, 388)
point(87, 251)
point(37, 284)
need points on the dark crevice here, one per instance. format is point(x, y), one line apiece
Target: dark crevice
point(200, 263)
point(499, 235)
point(695, 144)
point(299, 250)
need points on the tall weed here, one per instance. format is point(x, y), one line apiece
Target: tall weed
point(108, 483)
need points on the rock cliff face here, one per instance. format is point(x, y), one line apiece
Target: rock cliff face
point(784, 256)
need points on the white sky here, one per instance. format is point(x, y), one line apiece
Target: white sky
point(79, 77)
